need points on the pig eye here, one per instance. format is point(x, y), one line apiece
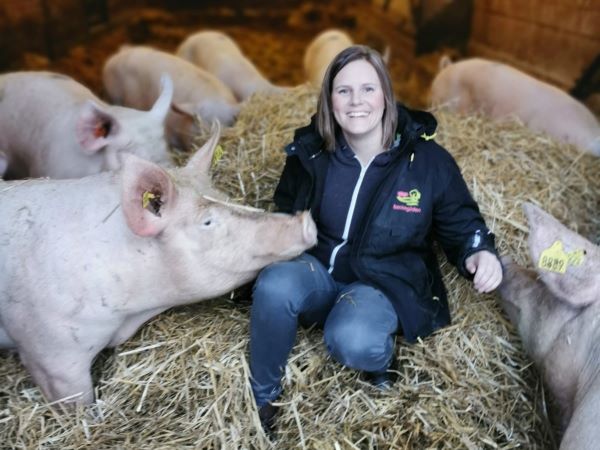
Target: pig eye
point(207, 222)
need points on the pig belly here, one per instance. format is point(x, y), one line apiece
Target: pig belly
point(583, 432)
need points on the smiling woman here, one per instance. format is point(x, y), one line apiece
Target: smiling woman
point(378, 187)
point(358, 105)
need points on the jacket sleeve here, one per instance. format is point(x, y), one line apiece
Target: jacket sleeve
point(287, 188)
point(457, 223)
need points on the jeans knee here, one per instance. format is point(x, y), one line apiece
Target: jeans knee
point(359, 346)
point(275, 288)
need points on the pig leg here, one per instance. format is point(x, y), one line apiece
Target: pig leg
point(61, 374)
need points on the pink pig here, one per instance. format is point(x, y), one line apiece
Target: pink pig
point(52, 126)
point(131, 77)
point(498, 91)
point(84, 263)
point(218, 54)
point(556, 309)
point(321, 51)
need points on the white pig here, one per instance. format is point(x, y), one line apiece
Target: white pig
point(84, 263)
point(218, 54)
point(52, 126)
point(321, 51)
point(131, 78)
point(499, 91)
point(556, 309)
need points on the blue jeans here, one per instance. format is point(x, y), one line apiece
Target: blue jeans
point(358, 321)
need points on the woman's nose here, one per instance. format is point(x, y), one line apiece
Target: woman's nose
point(356, 98)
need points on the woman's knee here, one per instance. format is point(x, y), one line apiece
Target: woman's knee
point(358, 345)
point(278, 286)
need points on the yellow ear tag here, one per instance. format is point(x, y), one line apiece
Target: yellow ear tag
point(217, 155)
point(146, 198)
point(555, 259)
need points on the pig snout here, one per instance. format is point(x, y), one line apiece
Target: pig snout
point(295, 235)
point(309, 229)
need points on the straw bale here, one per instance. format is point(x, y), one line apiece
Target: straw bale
point(182, 380)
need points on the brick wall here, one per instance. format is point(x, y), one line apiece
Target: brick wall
point(554, 40)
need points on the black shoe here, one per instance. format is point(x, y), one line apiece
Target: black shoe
point(266, 414)
point(383, 380)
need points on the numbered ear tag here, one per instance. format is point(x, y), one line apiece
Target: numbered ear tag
point(146, 197)
point(555, 259)
point(217, 155)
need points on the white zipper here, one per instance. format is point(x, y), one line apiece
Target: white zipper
point(336, 249)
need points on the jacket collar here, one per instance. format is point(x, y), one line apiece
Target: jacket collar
point(412, 126)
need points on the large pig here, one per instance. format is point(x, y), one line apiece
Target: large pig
point(131, 78)
point(321, 51)
point(556, 309)
point(218, 54)
point(52, 126)
point(84, 263)
point(499, 91)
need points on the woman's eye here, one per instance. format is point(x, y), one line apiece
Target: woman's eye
point(369, 89)
point(342, 91)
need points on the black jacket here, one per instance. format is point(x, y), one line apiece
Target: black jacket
point(422, 198)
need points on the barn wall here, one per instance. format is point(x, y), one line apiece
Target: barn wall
point(554, 40)
point(46, 28)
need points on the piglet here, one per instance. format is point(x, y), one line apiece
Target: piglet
point(497, 90)
point(52, 126)
point(84, 263)
point(131, 78)
point(556, 309)
point(219, 54)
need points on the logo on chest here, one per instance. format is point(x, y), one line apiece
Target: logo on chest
point(408, 201)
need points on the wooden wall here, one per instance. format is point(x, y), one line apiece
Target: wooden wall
point(46, 27)
point(555, 40)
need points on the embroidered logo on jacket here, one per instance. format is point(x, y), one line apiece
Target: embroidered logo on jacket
point(409, 201)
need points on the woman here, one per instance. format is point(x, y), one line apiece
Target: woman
point(380, 191)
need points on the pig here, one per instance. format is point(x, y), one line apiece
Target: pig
point(218, 54)
point(321, 51)
point(556, 309)
point(131, 78)
point(84, 263)
point(52, 126)
point(499, 91)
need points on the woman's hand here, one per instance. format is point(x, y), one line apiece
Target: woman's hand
point(487, 269)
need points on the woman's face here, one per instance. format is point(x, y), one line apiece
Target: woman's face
point(357, 99)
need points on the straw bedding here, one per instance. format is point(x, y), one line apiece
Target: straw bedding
point(182, 380)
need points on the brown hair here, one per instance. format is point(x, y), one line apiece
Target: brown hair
point(326, 123)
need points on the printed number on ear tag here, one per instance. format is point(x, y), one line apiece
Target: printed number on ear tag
point(555, 259)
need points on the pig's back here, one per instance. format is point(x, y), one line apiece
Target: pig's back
point(37, 111)
point(146, 65)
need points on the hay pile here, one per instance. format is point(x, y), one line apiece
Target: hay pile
point(182, 380)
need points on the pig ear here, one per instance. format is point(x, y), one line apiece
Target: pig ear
point(185, 109)
point(94, 127)
point(566, 262)
point(444, 62)
point(200, 162)
point(147, 196)
point(385, 57)
point(161, 107)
